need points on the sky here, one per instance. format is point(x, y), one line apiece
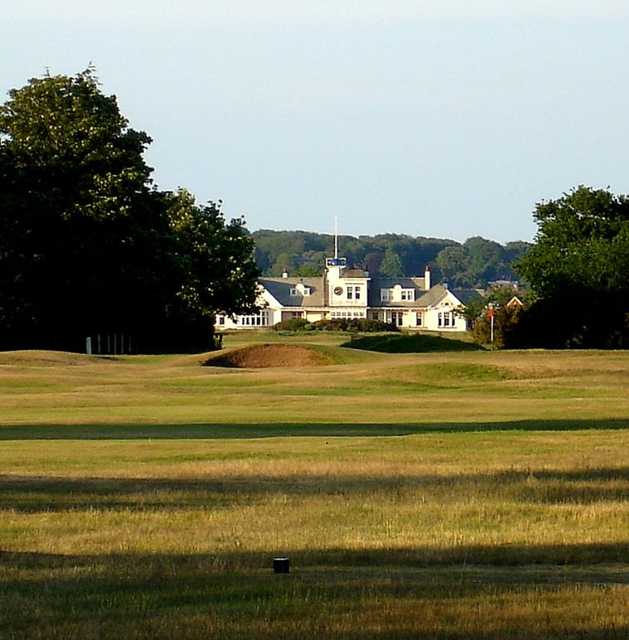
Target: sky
point(444, 118)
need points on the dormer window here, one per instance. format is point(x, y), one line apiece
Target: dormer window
point(408, 295)
point(299, 290)
point(385, 295)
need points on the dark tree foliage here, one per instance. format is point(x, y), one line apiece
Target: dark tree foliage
point(474, 263)
point(87, 244)
point(391, 265)
point(579, 269)
point(506, 322)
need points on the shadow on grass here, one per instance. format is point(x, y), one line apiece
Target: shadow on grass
point(25, 494)
point(384, 593)
point(595, 563)
point(419, 343)
point(207, 431)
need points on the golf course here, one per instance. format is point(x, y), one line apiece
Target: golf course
point(446, 492)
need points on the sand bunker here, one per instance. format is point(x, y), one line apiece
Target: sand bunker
point(269, 355)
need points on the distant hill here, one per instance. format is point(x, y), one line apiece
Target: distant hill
point(474, 263)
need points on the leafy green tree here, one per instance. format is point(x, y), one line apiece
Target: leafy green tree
point(391, 264)
point(506, 321)
point(87, 244)
point(486, 260)
point(582, 242)
point(454, 264)
point(308, 271)
point(215, 265)
point(579, 270)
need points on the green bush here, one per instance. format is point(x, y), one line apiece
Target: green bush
point(293, 324)
point(353, 324)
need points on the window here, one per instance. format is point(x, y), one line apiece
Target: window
point(293, 291)
point(440, 319)
point(418, 319)
point(261, 319)
point(347, 314)
point(353, 293)
point(408, 294)
point(446, 319)
point(306, 291)
point(221, 320)
point(385, 295)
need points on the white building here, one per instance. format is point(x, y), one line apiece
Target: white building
point(410, 303)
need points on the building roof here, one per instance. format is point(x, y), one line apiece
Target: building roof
point(432, 297)
point(354, 273)
point(418, 284)
point(466, 295)
point(280, 288)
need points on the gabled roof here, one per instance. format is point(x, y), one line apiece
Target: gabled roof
point(466, 295)
point(418, 284)
point(432, 297)
point(280, 288)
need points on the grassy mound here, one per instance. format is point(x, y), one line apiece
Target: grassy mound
point(419, 343)
point(41, 358)
point(259, 356)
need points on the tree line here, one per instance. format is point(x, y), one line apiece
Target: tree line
point(473, 263)
point(90, 246)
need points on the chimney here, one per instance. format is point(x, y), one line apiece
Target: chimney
point(285, 274)
point(427, 277)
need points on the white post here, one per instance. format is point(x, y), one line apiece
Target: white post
point(88, 346)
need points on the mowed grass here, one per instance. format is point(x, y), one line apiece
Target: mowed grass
point(443, 495)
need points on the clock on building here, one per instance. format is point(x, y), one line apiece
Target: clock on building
point(338, 291)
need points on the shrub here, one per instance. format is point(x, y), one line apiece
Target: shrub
point(353, 324)
point(293, 324)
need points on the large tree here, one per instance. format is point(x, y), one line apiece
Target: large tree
point(579, 269)
point(87, 243)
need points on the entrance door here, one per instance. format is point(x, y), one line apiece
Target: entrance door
point(396, 318)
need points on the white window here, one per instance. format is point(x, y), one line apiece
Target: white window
point(306, 291)
point(419, 319)
point(221, 319)
point(385, 295)
point(408, 294)
point(350, 293)
point(446, 319)
point(293, 291)
point(440, 319)
point(261, 319)
point(357, 293)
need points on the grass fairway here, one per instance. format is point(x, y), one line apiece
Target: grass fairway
point(456, 495)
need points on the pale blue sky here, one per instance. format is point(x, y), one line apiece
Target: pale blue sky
point(445, 118)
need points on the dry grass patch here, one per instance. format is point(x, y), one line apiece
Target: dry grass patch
point(462, 496)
